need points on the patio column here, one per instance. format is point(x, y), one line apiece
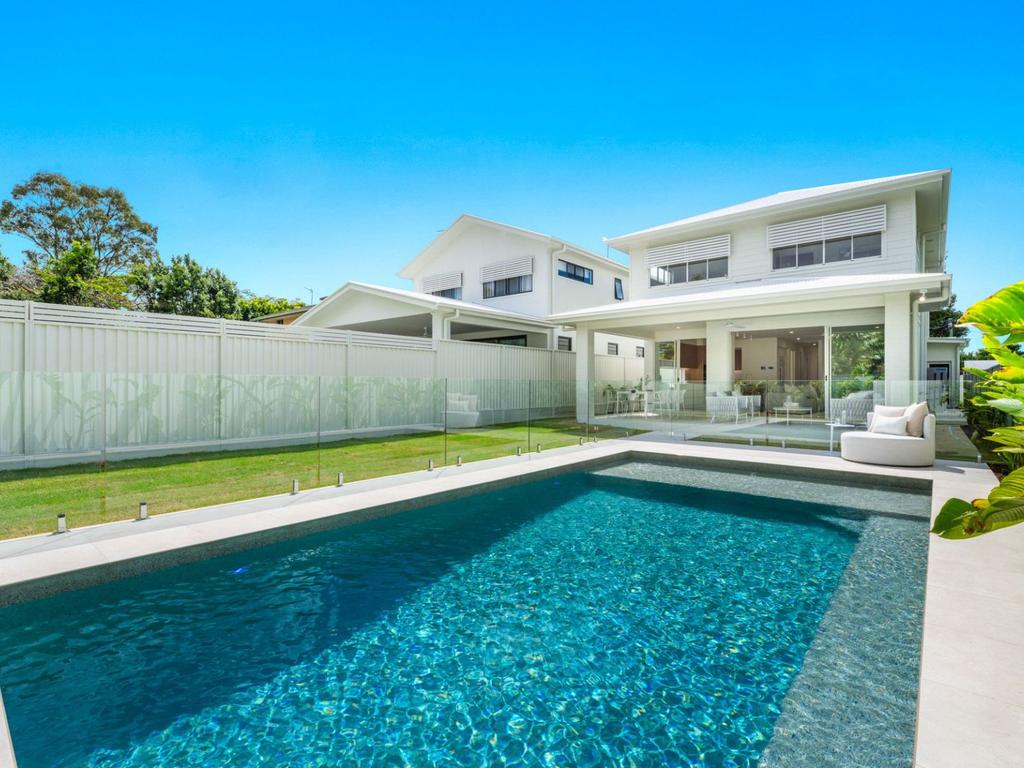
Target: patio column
point(584, 373)
point(898, 352)
point(719, 353)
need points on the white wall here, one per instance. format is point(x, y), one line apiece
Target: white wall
point(478, 245)
point(750, 259)
point(568, 294)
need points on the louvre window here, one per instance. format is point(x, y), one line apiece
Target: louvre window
point(448, 293)
point(691, 272)
point(830, 239)
point(565, 343)
point(639, 351)
point(613, 348)
point(575, 272)
point(508, 286)
point(689, 262)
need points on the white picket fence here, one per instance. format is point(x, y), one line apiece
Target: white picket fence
point(82, 383)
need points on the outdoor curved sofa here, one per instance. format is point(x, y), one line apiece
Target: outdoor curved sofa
point(890, 450)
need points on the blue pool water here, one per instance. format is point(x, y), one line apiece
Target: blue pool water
point(591, 619)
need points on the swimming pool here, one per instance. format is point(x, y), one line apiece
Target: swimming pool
point(641, 614)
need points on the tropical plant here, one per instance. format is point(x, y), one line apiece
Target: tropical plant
point(1000, 318)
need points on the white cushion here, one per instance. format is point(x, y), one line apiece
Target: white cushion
point(888, 425)
point(865, 394)
point(915, 414)
point(890, 410)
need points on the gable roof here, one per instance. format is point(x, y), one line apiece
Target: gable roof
point(467, 220)
point(425, 301)
point(781, 201)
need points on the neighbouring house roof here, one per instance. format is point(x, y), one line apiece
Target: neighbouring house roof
point(283, 313)
point(467, 220)
point(764, 293)
point(781, 201)
point(960, 342)
point(424, 301)
point(983, 365)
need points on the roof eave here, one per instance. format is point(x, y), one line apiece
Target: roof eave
point(709, 300)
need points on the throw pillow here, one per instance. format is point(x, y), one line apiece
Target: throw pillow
point(890, 410)
point(915, 418)
point(889, 425)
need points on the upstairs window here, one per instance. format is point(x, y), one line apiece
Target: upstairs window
point(619, 295)
point(575, 272)
point(613, 348)
point(830, 239)
point(690, 272)
point(509, 286)
point(449, 293)
point(692, 261)
point(446, 284)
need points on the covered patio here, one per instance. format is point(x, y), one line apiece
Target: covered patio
point(398, 312)
point(813, 351)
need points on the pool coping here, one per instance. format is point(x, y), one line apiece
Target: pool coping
point(968, 713)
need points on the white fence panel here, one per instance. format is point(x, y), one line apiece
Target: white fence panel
point(83, 383)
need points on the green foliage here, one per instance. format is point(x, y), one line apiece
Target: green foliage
point(942, 323)
point(184, 287)
point(74, 278)
point(1004, 506)
point(7, 268)
point(858, 353)
point(1000, 318)
point(250, 306)
point(53, 212)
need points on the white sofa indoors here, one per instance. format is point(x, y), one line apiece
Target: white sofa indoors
point(897, 450)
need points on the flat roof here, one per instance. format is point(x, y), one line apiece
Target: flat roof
point(841, 285)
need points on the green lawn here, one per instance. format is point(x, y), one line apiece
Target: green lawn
point(91, 493)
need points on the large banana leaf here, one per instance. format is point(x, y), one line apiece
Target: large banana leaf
point(1001, 314)
point(959, 519)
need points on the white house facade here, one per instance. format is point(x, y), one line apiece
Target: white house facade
point(484, 281)
point(826, 284)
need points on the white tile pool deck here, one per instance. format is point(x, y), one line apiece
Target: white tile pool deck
point(971, 700)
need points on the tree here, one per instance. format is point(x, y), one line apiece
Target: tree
point(184, 287)
point(251, 306)
point(942, 323)
point(74, 278)
point(52, 213)
point(7, 268)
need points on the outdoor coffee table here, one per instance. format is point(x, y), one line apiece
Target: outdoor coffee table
point(788, 410)
point(832, 427)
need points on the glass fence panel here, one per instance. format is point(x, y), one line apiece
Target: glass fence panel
point(486, 418)
point(178, 441)
point(553, 420)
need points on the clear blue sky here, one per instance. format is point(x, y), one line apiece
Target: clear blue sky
point(299, 145)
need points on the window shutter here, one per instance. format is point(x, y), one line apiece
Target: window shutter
point(442, 282)
point(506, 269)
point(826, 227)
point(677, 253)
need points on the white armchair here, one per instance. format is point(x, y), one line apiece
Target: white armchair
point(890, 450)
point(725, 407)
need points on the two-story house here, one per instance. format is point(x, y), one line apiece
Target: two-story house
point(488, 282)
point(826, 284)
